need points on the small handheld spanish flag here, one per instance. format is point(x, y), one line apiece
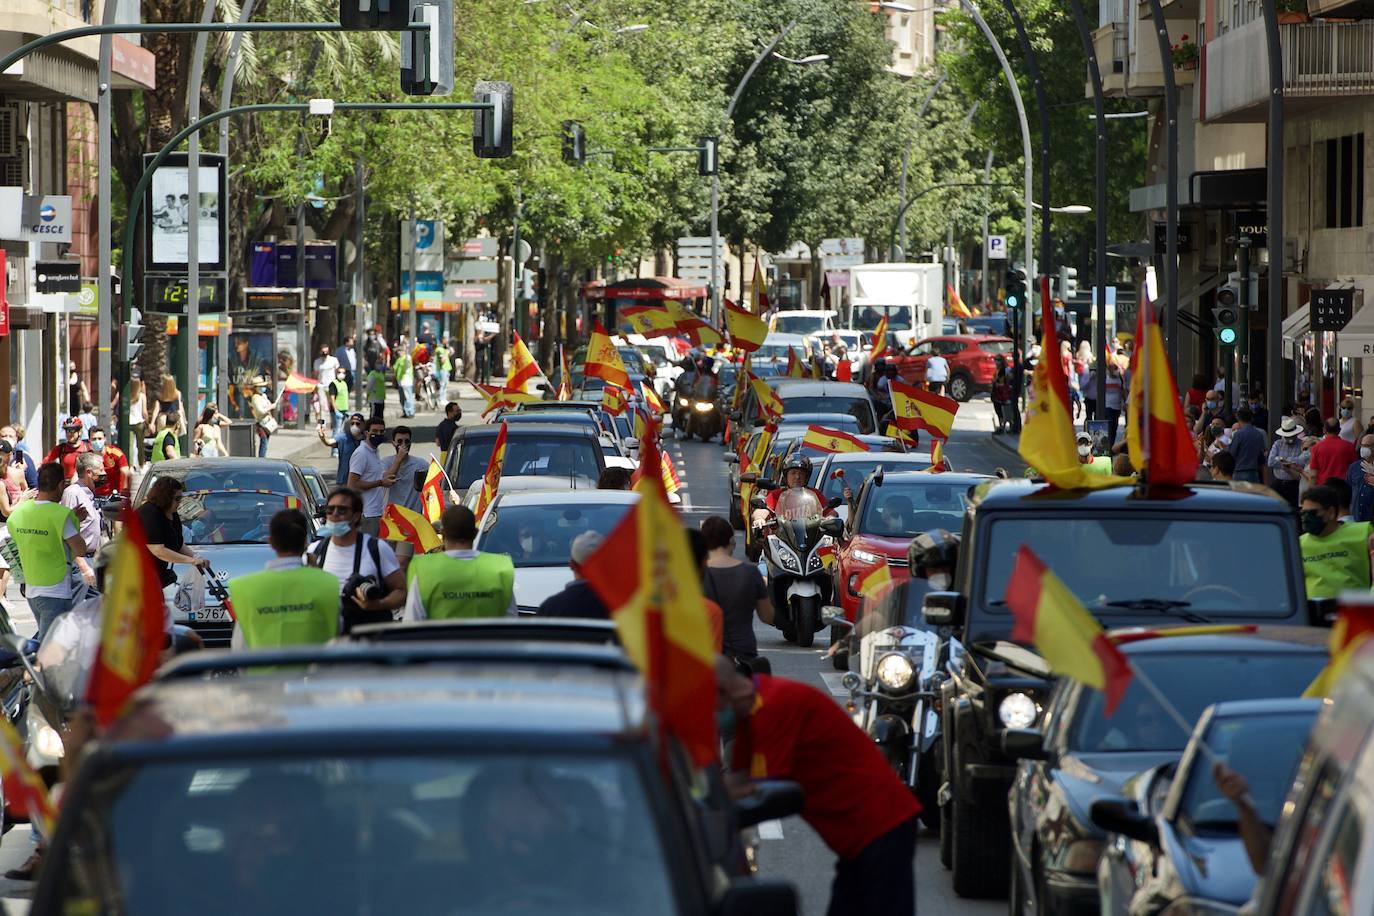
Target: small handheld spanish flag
point(825, 439)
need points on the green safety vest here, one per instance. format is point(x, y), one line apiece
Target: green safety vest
point(36, 528)
point(451, 588)
point(160, 444)
point(441, 359)
point(403, 369)
point(1100, 464)
point(286, 607)
point(376, 386)
point(340, 396)
point(1337, 562)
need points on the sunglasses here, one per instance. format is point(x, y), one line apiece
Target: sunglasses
point(338, 510)
point(401, 442)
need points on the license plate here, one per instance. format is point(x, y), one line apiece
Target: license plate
point(209, 615)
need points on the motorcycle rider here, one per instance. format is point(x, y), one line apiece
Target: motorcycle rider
point(796, 472)
point(932, 556)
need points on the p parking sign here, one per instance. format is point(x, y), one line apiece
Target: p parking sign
point(997, 248)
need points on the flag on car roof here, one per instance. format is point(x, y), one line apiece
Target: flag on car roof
point(916, 408)
point(492, 478)
point(614, 400)
point(564, 375)
point(432, 493)
point(25, 792)
point(132, 631)
point(879, 341)
point(747, 331)
point(769, 403)
point(937, 455)
point(795, 367)
point(603, 359)
point(1354, 625)
point(648, 320)
point(1051, 618)
point(956, 304)
point(402, 524)
point(1047, 437)
point(758, 291)
point(825, 439)
point(646, 575)
point(651, 398)
point(1157, 435)
point(523, 368)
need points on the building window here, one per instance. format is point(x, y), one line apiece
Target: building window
point(1345, 182)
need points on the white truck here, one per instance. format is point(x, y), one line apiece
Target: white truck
point(912, 296)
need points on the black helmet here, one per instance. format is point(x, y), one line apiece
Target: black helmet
point(799, 462)
point(936, 547)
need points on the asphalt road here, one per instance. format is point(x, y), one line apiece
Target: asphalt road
point(790, 850)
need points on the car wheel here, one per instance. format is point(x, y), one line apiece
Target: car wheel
point(840, 660)
point(981, 843)
point(928, 790)
point(961, 388)
point(946, 837)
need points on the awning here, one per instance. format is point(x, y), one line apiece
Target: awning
point(646, 288)
point(837, 278)
point(1297, 324)
point(1357, 340)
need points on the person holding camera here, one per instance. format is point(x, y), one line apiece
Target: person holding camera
point(289, 603)
point(371, 584)
point(460, 582)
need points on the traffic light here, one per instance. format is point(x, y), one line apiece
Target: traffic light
point(491, 128)
point(707, 159)
point(383, 15)
point(133, 336)
point(1226, 315)
point(427, 55)
point(574, 143)
point(526, 284)
point(1068, 283)
point(1015, 286)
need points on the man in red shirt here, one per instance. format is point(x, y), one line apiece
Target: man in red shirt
point(67, 450)
point(117, 471)
point(1332, 456)
point(854, 800)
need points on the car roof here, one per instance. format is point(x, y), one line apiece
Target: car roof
point(803, 420)
point(800, 387)
point(226, 462)
point(927, 479)
point(554, 483)
point(965, 338)
point(922, 458)
point(537, 406)
point(790, 312)
point(531, 430)
point(1029, 496)
point(1251, 640)
point(579, 417)
point(1236, 709)
point(542, 629)
point(568, 497)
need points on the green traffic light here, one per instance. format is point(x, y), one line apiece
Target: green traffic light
point(1227, 336)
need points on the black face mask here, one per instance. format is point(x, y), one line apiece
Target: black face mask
point(101, 480)
point(376, 439)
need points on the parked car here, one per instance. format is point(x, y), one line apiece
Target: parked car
point(1175, 841)
point(972, 361)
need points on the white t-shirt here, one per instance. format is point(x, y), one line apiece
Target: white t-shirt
point(937, 369)
point(338, 561)
point(368, 465)
point(325, 367)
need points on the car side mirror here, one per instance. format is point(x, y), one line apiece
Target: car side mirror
point(753, 897)
point(930, 319)
point(1118, 815)
point(1321, 612)
point(943, 609)
point(1025, 743)
point(631, 443)
point(758, 422)
point(731, 458)
point(772, 799)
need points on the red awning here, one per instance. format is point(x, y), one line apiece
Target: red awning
point(647, 288)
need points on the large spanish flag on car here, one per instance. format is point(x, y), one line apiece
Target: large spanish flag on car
point(1157, 435)
point(769, 402)
point(747, 331)
point(614, 400)
point(523, 368)
point(432, 493)
point(1354, 625)
point(916, 408)
point(492, 478)
point(402, 524)
point(603, 359)
point(825, 439)
point(1047, 438)
point(1051, 618)
point(645, 574)
point(879, 341)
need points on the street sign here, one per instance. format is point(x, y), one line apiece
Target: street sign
point(484, 247)
point(466, 270)
point(697, 244)
point(58, 276)
point(471, 292)
point(997, 248)
point(694, 273)
point(24, 218)
point(1332, 309)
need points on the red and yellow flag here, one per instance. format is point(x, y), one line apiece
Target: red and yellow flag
point(564, 375)
point(507, 397)
point(25, 792)
point(879, 341)
point(769, 403)
point(937, 455)
point(603, 359)
point(646, 575)
point(825, 439)
point(651, 398)
point(523, 368)
point(1047, 437)
point(688, 322)
point(432, 493)
point(1157, 434)
point(614, 400)
point(747, 331)
point(131, 631)
point(754, 462)
point(402, 524)
point(742, 381)
point(844, 370)
point(795, 367)
point(300, 384)
point(758, 291)
point(895, 432)
point(1354, 625)
point(492, 478)
point(876, 581)
point(1048, 616)
point(671, 482)
point(956, 304)
point(648, 320)
point(916, 408)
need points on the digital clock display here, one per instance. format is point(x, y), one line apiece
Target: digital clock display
point(170, 295)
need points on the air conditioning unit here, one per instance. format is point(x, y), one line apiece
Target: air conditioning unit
point(14, 169)
point(11, 131)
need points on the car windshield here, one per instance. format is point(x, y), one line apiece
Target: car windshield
point(996, 347)
point(778, 351)
point(246, 476)
point(542, 455)
point(230, 517)
point(1191, 681)
point(855, 472)
point(574, 418)
point(859, 408)
point(904, 510)
point(362, 834)
point(799, 324)
point(1264, 750)
point(542, 535)
point(867, 317)
point(1207, 567)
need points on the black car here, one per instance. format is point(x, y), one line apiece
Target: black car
point(390, 778)
point(1180, 845)
point(531, 449)
point(1081, 755)
point(1134, 558)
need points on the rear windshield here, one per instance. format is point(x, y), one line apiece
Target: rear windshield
point(542, 455)
point(251, 477)
point(858, 408)
point(799, 324)
point(855, 472)
point(898, 317)
point(543, 535)
point(995, 346)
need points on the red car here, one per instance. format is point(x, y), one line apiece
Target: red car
point(972, 361)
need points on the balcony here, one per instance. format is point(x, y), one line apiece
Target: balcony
point(1110, 43)
point(1322, 61)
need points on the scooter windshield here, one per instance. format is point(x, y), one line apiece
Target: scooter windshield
point(798, 503)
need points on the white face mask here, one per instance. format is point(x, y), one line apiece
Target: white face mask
point(1366, 451)
point(939, 582)
point(527, 543)
point(1084, 451)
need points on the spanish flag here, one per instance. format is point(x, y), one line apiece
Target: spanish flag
point(432, 493)
point(1353, 627)
point(565, 375)
point(603, 360)
point(825, 439)
point(671, 482)
point(879, 341)
point(402, 524)
point(877, 579)
point(754, 463)
point(747, 331)
point(300, 384)
point(507, 397)
point(956, 304)
point(131, 631)
point(1157, 435)
point(795, 367)
point(758, 291)
point(688, 322)
point(746, 373)
point(523, 368)
point(649, 320)
point(895, 432)
point(25, 792)
point(1047, 438)
point(645, 574)
point(651, 398)
point(613, 400)
point(492, 478)
point(916, 408)
point(769, 402)
point(937, 455)
point(1048, 616)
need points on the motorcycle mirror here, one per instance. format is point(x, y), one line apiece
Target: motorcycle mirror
point(750, 477)
point(20, 646)
point(631, 443)
point(832, 526)
point(731, 458)
point(833, 502)
point(758, 502)
point(765, 483)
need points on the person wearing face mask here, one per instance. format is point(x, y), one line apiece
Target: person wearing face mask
point(1287, 460)
point(1361, 490)
point(367, 475)
point(403, 467)
point(348, 554)
point(1212, 411)
point(460, 582)
point(80, 498)
point(117, 473)
point(345, 444)
point(289, 603)
point(577, 599)
point(1350, 427)
point(1335, 556)
point(1099, 464)
point(932, 557)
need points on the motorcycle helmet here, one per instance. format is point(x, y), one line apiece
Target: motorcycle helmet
point(799, 462)
point(932, 549)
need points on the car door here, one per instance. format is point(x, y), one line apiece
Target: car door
point(1037, 810)
point(912, 369)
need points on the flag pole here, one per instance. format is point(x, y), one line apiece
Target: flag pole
point(1170, 709)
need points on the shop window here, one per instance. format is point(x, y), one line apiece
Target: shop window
point(1345, 182)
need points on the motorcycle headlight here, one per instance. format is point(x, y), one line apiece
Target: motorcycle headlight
point(704, 406)
point(1017, 710)
point(48, 742)
point(784, 556)
point(864, 556)
point(683, 402)
point(895, 671)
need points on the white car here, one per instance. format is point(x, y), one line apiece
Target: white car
point(801, 321)
point(537, 530)
point(527, 483)
point(853, 342)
